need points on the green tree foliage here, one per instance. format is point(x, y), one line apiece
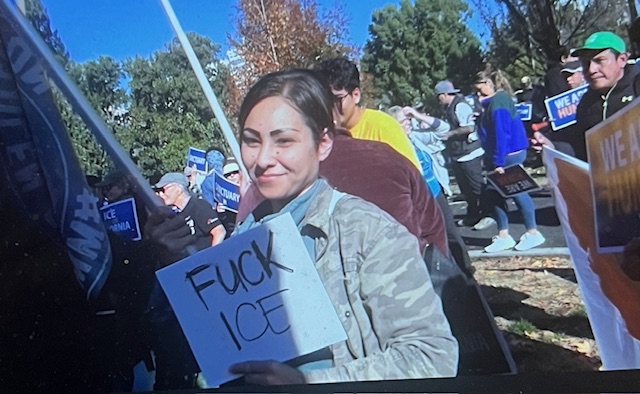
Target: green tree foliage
point(511, 51)
point(414, 46)
point(100, 81)
point(95, 79)
point(157, 118)
point(37, 15)
point(93, 159)
point(169, 111)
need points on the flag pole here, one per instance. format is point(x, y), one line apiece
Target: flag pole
point(204, 84)
point(82, 107)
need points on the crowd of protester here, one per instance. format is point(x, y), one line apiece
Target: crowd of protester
point(348, 173)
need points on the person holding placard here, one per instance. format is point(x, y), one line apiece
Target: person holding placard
point(572, 72)
point(231, 172)
point(505, 143)
point(554, 81)
point(613, 84)
point(215, 161)
point(370, 265)
point(114, 187)
point(533, 95)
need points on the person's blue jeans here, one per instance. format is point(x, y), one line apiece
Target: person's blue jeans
point(523, 200)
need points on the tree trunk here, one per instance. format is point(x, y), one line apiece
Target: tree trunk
point(538, 17)
point(633, 10)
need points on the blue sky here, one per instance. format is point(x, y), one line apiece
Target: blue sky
point(125, 28)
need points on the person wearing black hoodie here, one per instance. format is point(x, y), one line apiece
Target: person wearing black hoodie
point(613, 84)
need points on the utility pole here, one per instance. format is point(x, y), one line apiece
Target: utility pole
point(22, 6)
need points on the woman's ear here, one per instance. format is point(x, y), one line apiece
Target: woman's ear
point(325, 145)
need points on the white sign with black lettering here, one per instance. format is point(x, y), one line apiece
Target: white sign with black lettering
point(256, 296)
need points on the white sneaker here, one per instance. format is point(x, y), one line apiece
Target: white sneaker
point(528, 241)
point(466, 222)
point(484, 223)
point(499, 243)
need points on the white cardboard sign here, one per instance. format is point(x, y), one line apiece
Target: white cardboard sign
point(256, 296)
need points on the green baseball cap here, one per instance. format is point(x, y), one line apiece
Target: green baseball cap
point(600, 41)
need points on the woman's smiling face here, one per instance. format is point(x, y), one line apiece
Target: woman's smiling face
point(279, 150)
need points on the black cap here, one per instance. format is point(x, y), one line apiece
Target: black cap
point(112, 177)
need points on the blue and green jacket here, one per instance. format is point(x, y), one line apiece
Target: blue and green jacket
point(501, 130)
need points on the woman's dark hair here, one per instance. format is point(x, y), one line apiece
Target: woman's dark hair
point(305, 90)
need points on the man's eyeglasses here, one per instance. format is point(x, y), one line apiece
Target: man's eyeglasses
point(160, 189)
point(337, 100)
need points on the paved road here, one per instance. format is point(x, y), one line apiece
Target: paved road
point(546, 218)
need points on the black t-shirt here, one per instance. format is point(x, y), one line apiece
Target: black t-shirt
point(228, 219)
point(201, 218)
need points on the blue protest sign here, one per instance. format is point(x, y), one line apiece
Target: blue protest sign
point(227, 193)
point(196, 157)
point(121, 218)
point(524, 111)
point(562, 108)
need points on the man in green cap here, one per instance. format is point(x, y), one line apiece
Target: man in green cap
point(612, 85)
point(603, 57)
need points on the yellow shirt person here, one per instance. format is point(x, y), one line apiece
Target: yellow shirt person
point(378, 126)
point(367, 124)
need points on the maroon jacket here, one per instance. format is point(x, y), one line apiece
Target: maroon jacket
point(375, 172)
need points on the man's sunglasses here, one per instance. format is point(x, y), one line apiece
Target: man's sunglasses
point(160, 189)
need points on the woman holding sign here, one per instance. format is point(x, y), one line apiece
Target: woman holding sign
point(369, 264)
point(505, 143)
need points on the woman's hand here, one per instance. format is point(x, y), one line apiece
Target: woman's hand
point(499, 170)
point(267, 373)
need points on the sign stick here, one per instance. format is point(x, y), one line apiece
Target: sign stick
point(204, 84)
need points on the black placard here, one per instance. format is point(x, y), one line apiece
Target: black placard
point(515, 180)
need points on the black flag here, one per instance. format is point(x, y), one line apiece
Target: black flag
point(38, 165)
